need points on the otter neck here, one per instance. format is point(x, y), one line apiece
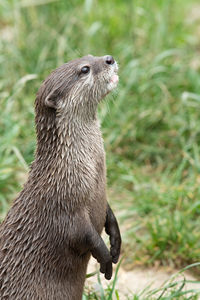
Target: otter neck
point(60, 133)
point(66, 158)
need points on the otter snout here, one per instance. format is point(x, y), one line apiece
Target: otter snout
point(109, 60)
point(113, 78)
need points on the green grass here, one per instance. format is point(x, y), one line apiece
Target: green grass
point(151, 124)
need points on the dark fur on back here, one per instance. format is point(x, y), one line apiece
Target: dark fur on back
point(42, 239)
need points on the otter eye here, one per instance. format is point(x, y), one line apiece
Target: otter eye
point(85, 70)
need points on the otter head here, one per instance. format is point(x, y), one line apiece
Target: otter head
point(79, 85)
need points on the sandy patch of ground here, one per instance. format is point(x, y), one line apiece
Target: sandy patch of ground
point(137, 280)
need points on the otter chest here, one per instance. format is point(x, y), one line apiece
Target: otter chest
point(82, 165)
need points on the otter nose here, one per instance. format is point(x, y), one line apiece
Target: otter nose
point(110, 60)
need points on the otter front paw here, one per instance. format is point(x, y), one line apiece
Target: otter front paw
point(115, 242)
point(112, 229)
point(106, 268)
point(105, 260)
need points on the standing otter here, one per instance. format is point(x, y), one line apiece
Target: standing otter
point(55, 223)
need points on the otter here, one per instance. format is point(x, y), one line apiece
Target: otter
point(55, 224)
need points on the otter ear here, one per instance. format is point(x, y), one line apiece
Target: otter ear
point(52, 99)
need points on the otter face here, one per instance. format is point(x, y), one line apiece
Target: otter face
point(81, 83)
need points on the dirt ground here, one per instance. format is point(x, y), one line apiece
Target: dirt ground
point(135, 281)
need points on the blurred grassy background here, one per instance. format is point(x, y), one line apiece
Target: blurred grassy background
point(151, 125)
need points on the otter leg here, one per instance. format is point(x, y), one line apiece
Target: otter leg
point(99, 251)
point(112, 229)
point(84, 238)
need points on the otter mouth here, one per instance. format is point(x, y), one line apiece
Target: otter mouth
point(114, 79)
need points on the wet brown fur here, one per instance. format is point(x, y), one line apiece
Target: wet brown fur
point(45, 240)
